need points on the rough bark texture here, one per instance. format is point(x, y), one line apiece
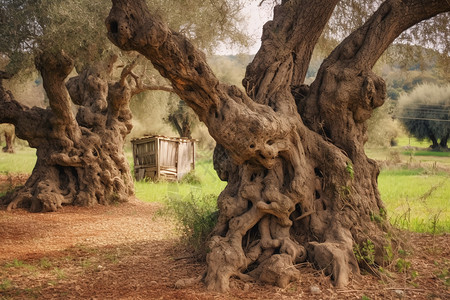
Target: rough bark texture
point(300, 186)
point(80, 158)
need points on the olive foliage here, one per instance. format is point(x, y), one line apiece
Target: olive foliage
point(77, 27)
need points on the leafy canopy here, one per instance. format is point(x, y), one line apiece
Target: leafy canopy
point(77, 27)
point(425, 112)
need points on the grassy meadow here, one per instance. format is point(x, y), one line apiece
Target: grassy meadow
point(22, 161)
point(414, 184)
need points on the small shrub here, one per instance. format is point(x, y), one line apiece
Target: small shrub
point(45, 263)
point(378, 218)
point(365, 253)
point(196, 218)
point(191, 178)
point(5, 285)
point(402, 265)
point(19, 264)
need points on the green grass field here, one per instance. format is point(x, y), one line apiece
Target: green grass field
point(20, 162)
point(417, 196)
point(416, 199)
point(209, 184)
point(413, 142)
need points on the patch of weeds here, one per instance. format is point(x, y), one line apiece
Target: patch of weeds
point(434, 223)
point(384, 273)
point(345, 192)
point(444, 273)
point(364, 297)
point(403, 265)
point(388, 250)
point(5, 284)
point(52, 283)
point(19, 264)
point(45, 263)
point(196, 218)
point(60, 274)
point(85, 263)
point(349, 169)
point(378, 217)
point(15, 264)
point(191, 178)
point(365, 252)
point(112, 257)
point(84, 249)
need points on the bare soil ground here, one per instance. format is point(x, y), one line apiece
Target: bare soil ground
point(126, 252)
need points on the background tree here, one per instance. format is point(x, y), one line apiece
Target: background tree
point(425, 113)
point(79, 138)
point(7, 131)
point(182, 119)
point(382, 129)
point(300, 186)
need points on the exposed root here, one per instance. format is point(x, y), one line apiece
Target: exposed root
point(336, 258)
point(277, 270)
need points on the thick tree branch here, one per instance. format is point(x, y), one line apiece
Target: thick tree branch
point(364, 46)
point(139, 85)
point(345, 83)
point(291, 36)
point(30, 124)
point(54, 70)
point(132, 27)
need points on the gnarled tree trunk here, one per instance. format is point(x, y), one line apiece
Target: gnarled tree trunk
point(80, 158)
point(300, 186)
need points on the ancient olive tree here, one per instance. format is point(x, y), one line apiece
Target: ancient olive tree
point(79, 138)
point(425, 113)
point(80, 157)
point(300, 186)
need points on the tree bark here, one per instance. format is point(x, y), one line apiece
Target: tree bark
point(80, 159)
point(434, 141)
point(300, 186)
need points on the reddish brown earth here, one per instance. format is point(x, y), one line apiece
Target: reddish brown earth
point(126, 252)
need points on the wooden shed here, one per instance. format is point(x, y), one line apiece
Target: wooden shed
point(159, 157)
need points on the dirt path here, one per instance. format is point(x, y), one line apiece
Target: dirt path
point(125, 252)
